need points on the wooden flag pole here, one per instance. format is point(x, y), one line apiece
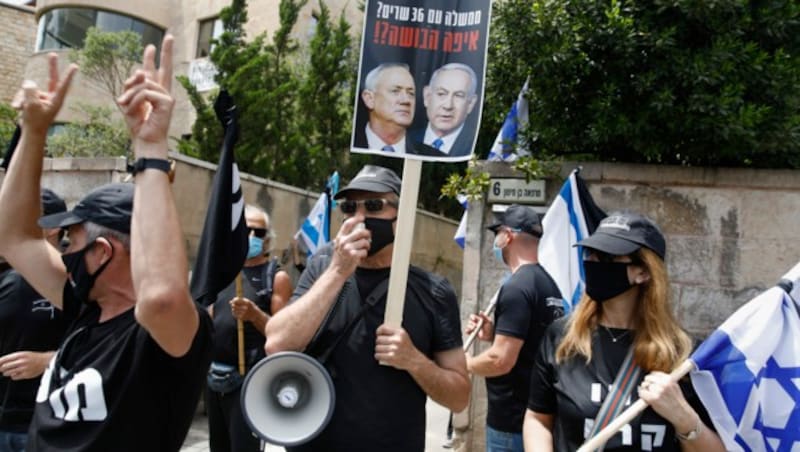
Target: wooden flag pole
point(240, 326)
point(401, 258)
point(630, 413)
point(488, 311)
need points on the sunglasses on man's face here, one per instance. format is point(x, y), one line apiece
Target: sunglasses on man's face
point(349, 207)
point(258, 232)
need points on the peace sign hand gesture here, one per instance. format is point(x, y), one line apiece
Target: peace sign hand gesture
point(147, 104)
point(39, 108)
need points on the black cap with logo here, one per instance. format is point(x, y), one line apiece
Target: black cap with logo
point(110, 205)
point(372, 178)
point(622, 233)
point(519, 218)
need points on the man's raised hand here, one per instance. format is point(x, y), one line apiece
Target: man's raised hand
point(39, 108)
point(147, 104)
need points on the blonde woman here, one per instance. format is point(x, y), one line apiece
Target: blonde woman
point(622, 332)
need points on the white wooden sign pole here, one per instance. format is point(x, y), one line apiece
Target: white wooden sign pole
point(401, 257)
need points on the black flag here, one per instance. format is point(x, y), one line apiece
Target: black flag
point(223, 244)
point(592, 214)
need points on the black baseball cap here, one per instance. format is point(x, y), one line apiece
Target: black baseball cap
point(623, 233)
point(52, 203)
point(109, 205)
point(372, 178)
point(520, 218)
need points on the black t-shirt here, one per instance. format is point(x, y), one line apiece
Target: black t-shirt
point(526, 305)
point(226, 347)
point(573, 391)
point(28, 322)
point(379, 408)
point(117, 389)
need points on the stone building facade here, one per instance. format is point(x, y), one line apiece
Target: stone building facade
point(57, 25)
point(16, 44)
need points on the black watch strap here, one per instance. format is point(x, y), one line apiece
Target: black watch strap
point(142, 164)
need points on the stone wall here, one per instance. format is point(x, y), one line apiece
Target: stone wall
point(730, 234)
point(433, 247)
point(16, 46)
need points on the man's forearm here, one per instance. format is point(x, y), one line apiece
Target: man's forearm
point(446, 387)
point(20, 192)
point(293, 327)
point(487, 364)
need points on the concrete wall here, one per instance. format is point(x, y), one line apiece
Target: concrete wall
point(434, 248)
point(16, 45)
point(730, 234)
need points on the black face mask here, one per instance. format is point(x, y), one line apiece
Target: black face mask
point(382, 233)
point(79, 278)
point(606, 280)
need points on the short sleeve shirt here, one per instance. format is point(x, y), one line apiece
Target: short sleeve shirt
point(116, 389)
point(379, 408)
point(28, 322)
point(526, 305)
point(573, 391)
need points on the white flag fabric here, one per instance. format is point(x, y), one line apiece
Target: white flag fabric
point(503, 149)
point(315, 230)
point(748, 374)
point(571, 217)
point(461, 232)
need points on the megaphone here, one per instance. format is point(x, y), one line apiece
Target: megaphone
point(288, 398)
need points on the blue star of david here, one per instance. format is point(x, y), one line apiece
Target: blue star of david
point(789, 435)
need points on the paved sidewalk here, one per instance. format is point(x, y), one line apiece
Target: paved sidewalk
point(197, 439)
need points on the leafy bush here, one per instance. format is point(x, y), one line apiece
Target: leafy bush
point(692, 82)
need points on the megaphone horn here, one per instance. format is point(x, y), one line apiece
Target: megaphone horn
point(288, 398)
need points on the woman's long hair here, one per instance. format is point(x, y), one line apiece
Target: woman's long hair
point(659, 341)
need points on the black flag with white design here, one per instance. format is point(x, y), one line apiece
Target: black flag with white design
point(223, 244)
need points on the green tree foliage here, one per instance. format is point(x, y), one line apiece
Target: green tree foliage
point(8, 122)
point(108, 58)
point(692, 82)
point(325, 98)
point(294, 114)
point(95, 135)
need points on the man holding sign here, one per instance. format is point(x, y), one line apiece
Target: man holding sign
point(382, 374)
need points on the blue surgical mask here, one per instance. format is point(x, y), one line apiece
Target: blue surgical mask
point(498, 252)
point(256, 247)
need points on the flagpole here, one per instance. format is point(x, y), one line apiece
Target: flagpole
point(630, 413)
point(488, 311)
point(401, 257)
point(240, 326)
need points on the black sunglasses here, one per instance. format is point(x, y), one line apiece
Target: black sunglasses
point(258, 232)
point(349, 207)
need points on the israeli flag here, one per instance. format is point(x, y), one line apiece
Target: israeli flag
point(748, 374)
point(571, 217)
point(461, 232)
point(315, 230)
point(506, 141)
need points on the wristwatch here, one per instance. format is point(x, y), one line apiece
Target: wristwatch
point(142, 164)
point(692, 434)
